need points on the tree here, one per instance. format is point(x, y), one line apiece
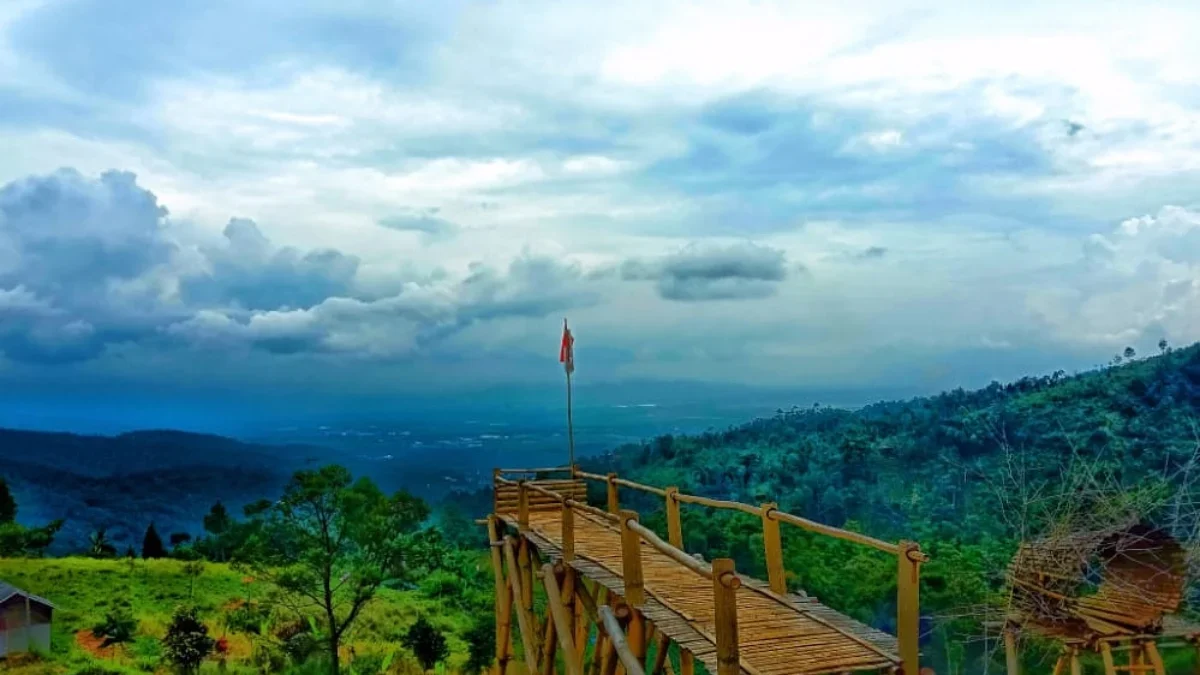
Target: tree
point(330, 542)
point(481, 645)
point(8, 505)
point(426, 643)
point(1163, 346)
point(152, 544)
point(99, 546)
point(178, 538)
point(186, 642)
point(217, 523)
point(1130, 353)
point(118, 627)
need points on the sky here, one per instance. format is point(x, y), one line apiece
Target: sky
point(216, 205)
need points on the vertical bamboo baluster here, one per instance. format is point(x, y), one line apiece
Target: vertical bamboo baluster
point(1012, 659)
point(725, 600)
point(1154, 657)
point(773, 545)
point(614, 504)
point(1110, 667)
point(1076, 666)
point(549, 646)
point(503, 599)
point(522, 506)
point(908, 609)
point(635, 590)
point(687, 663)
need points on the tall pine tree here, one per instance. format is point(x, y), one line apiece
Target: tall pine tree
point(152, 544)
point(8, 505)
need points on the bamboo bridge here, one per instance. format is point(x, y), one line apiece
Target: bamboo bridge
point(603, 568)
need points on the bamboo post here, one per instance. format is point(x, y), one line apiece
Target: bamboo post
point(631, 557)
point(626, 649)
point(1060, 665)
point(774, 549)
point(562, 622)
point(635, 590)
point(549, 646)
point(1110, 668)
point(725, 601)
point(1154, 657)
point(524, 614)
point(503, 600)
point(908, 583)
point(522, 506)
point(523, 570)
point(496, 489)
point(568, 533)
point(687, 663)
point(1012, 659)
point(1076, 666)
point(614, 505)
point(663, 646)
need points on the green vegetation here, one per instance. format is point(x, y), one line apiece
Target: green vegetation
point(325, 576)
point(957, 472)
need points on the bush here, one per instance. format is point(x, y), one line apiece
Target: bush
point(426, 643)
point(186, 642)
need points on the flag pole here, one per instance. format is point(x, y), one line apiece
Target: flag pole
point(569, 364)
point(570, 425)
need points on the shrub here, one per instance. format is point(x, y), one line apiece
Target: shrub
point(426, 643)
point(186, 642)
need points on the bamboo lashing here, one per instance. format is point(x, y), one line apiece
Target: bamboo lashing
point(617, 639)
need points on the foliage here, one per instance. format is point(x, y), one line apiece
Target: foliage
point(186, 643)
point(117, 628)
point(481, 645)
point(426, 643)
point(329, 544)
point(99, 545)
point(964, 473)
point(152, 544)
point(8, 505)
point(17, 540)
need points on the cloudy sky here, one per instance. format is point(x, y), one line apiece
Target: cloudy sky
point(364, 199)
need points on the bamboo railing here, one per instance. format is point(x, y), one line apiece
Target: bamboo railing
point(724, 576)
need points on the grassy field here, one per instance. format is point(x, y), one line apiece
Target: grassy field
point(84, 589)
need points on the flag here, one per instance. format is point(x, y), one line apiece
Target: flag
point(566, 353)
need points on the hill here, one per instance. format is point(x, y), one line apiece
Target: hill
point(125, 482)
point(84, 590)
point(965, 473)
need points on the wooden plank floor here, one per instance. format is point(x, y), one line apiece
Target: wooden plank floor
point(799, 637)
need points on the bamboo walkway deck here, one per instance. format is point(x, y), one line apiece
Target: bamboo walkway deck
point(778, 635)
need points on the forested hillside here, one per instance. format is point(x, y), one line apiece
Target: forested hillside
point(956, 472)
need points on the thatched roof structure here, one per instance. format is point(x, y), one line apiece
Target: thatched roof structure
point(1117, 581)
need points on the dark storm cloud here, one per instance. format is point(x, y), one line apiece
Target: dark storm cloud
point(250, 272)
point(86, 264)
point(711, 272)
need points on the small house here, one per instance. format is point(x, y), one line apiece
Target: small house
point(24, 621)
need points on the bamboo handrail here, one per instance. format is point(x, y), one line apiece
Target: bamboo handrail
point(681, 557)
point(617, 637)
point(835, 532)
point(719, 504)
point(558, 496)
point(541, 470)
point(593, 511)
point(639, 486)
point(625, 482)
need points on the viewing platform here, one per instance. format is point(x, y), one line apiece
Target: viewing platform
point(732, 623)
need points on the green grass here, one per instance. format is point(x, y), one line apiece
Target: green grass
point(84, 589)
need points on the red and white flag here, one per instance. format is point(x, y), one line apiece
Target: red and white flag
point(566, 353)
